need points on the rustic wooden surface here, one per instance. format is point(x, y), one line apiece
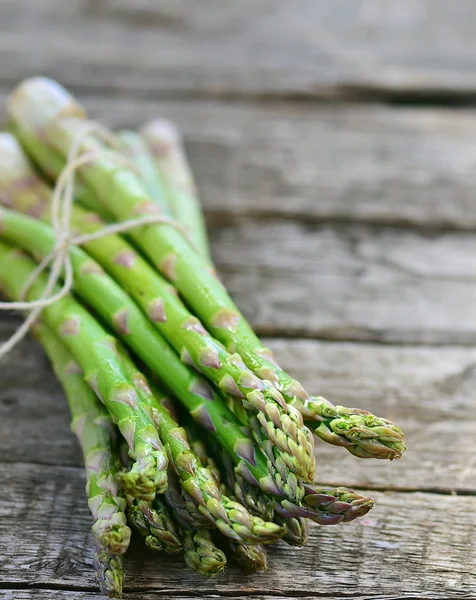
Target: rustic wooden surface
point(346, 233)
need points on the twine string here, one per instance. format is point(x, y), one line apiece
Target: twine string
point(61, 212)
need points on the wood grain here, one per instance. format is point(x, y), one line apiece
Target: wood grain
point(351, 282)
point(42, 593)
point(53, 546)
point(370, 164)
point(352, 223)
point(429, 392)
point(354, 163)
point(305, 48)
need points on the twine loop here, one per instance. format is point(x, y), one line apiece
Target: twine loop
point(59, 260)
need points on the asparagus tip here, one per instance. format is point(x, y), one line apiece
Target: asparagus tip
point(201, 554)
point(113, 535)
point(146, 478)
point(109, 573)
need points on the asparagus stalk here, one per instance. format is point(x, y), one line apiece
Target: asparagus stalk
point(98, 290)
point(43, 109)
point(153, 521)
point(93, 349)
point(194, 393)
point(135, 148)
point(170, 317)
point(364, 435)
point(231, 518)
point(165, 144)
point(43, 105)
point(95, 432)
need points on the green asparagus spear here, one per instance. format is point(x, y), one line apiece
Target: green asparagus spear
point(43, 105)
point(165, 144)
point(157, 299)
point(251, 558)
point(231, 518)
point(153, 521)
point(109, 573)
point(201, 554)
point(92, 348)
point(95, 432)
point(43, 108)
point(135, 148)
point(271, 475)
point(297, 531)
point(362, 433)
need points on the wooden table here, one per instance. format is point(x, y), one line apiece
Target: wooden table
point(337, 165)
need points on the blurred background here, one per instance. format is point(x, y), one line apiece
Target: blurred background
point(334, 147)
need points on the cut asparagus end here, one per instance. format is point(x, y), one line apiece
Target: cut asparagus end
point(109, 573)
point(201, 554)
point(12, 158)
point(38, 101)
point(162, 136)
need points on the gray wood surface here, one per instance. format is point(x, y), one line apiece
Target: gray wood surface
point(429, 391)
point(304, 48)
point(368, 163)
point(53, 546)
point(345, 232)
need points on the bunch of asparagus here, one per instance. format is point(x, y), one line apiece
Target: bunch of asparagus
point(191, 431)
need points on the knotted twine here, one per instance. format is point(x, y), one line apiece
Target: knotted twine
point(61, 211)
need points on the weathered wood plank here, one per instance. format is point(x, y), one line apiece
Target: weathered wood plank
point(66, 594)
point(41, 594)
point(305, 48)
point(368, 164)
point(409, 543)
point(430, 392)
point(351, 282)
point(371, 164)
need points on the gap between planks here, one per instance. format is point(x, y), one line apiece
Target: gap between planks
point(165, 594)
point(440, 491)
